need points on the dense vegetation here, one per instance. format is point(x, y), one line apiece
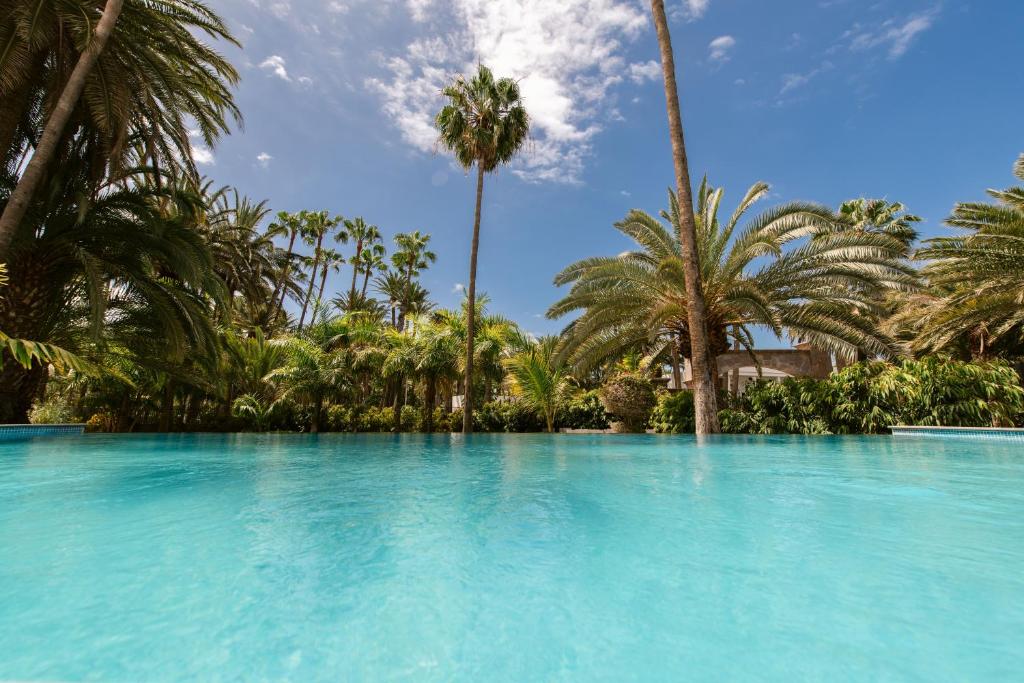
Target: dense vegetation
point(138, 296)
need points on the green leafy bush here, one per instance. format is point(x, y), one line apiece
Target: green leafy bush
point(869, 397)
point(583, 411)
point(674, 413)
point(56, 409)
point(507, 416)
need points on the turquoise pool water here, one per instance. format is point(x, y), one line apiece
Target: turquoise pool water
point(510, 558)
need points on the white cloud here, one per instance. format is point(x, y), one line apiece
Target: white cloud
point(719, 48)
point(458, 288)
point(895, 35)
point(305, 80)
point(691, 10)
point(275, 64)
point(264, 159)
point(645, 71)
point(202, 155)
point(567, 56)
point(791, 82)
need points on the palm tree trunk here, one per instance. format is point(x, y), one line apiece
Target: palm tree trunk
point(323, 281)
point(366, 281)
point(167, 407)
point(312, 281)
point(281, 287)
point(429, 397)
point(355, 271)
point(705, 400)
point(397, 406)
point(467, 403)
point(314, 423)
point(677, 374)
point(18, 202)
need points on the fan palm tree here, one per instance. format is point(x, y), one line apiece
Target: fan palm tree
point(410, 258)
point(364, 236)
point(437, 351)
point(702, 358)
point(315, 226)
point(484, 124)
point(285, 224)
point(539, 378)
point(975, 302)
point(371, 260)
point(816, 289)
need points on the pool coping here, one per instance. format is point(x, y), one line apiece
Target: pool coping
point(8, 432)
point(983, 433)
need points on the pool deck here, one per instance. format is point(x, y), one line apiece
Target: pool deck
point(978, 433)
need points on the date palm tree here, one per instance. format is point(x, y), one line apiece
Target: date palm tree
point(484, 124)
point(705, 400)
point(133, 81)
point(974, 306)
point(793, 269)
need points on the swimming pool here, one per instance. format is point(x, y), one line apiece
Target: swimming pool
point(514, 557)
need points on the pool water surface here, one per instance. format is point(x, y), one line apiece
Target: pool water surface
point(510, 558)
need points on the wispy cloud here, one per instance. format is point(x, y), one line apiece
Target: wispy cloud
point(895, 36)
point(202, 155)
point(567, 56)
point(264, 159)
point(690, 10)
point(720, 47)
point(793, 81)
point(645, 71)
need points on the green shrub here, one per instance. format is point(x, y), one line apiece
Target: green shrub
point(867, 398)
point(375, 419)
point(340, 419)
point(507, 417)
point(410, 418)
point(583, 411)
point(674, 413)
point(56, 409)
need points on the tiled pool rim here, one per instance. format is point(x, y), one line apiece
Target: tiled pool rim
point(976, 433)
point(9, 432)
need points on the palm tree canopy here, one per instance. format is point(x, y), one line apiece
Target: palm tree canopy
point(484, 121)
point(794, 269)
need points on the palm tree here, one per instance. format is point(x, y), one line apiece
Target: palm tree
point(539, 378)
point(483, 124)
point(705, 400)
point(131, 263)
point(411, 257)
point(437, 348)
point(330, 260)
point(371, 259)
point(820, 289)
point(315, 226)
point(364, 236)
point(132, 93)
point(973, 306)
point(18, 202)
point(286, 224)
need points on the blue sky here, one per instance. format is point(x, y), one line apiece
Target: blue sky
point(917, 101)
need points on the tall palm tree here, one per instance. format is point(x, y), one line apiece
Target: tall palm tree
point(705, 400)
point(371, 260)
point(437, 349)
point(789, 269)
point(974, 305)
point(331, 259)
point(316, 225)
point(410, 258)
point(285, 224)
point(539, 378)
point(364, 236)
point(484, 124)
